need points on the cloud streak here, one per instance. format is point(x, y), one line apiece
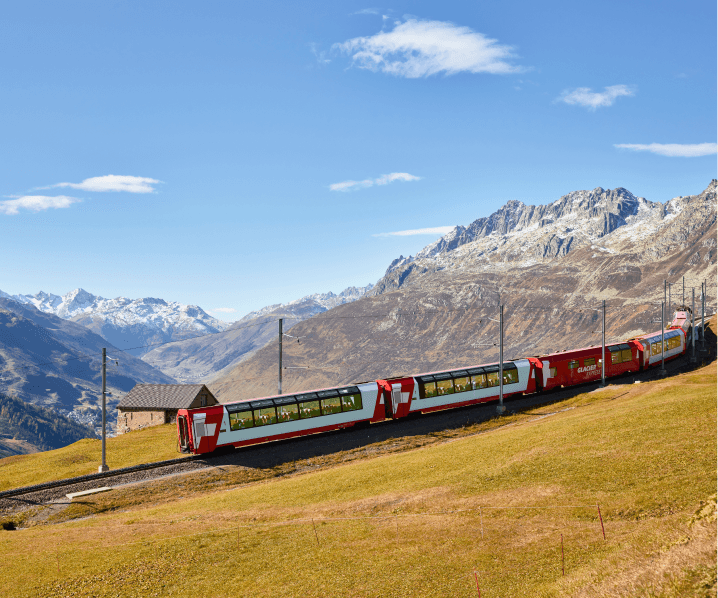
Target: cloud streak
point(586, 97)
point(112, 182)
point(437, 230)
point(384, 179)
point(35, 203)
point(417, 48)
point(672, 150)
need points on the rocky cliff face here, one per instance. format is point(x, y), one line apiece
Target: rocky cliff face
point(520, 235)
point(550, 266)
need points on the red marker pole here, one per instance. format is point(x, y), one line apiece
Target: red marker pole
point(478, 589)
point(563, 568)
point(601, 520)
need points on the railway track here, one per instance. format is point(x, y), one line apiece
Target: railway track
point(276, 453)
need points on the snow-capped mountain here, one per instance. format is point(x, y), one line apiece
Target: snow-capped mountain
point(520, 235)
point(313, 304)
point(124, 322)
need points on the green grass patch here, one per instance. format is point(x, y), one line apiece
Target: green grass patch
point(83, 457)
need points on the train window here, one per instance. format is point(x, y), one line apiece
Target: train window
point(265, 416)
point(511, 376)
point(492, 378)
point(331, 406)
point(351, 402)
point(589, 361)
point(462, 384)
point(430, 390)
point(655, 348)
point(626, 355)
point(309, 409)
point(287, 413)
point(552, 372)
point(615, 357)
point(573, 364)
point(323, 394)
point(445, 387)
point(241, 420)
point(478, 381)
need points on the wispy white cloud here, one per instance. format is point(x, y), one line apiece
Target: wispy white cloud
point(112, 182)
point(586, 97)
point(673, 150)
point(417, 48)
point(367, 11)
point(384, 179)
point(35, 203)
point(320, 55)
point(437, 230)
point(223, 310)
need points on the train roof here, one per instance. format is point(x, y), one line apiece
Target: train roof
point(465, 371)
point(305, 395)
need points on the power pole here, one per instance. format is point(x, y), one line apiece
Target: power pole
point(663, 341)
point(501, 408)
point(668, 305)
point(104, 467)
point(281, 334)
point(603, 346)
point(704, 287)
point(693, 327)
point(683, 300)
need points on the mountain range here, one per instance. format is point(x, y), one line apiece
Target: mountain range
point(550, 267)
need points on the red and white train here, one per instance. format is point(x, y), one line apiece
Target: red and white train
point(255, 421)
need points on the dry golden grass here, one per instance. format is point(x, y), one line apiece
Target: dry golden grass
point(83, 457)
point(409, 524)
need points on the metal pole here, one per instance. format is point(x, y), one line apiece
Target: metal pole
point(683, 301)
point(668, 305)
point(663, 343)
point(703, 317)
point(501, 408)
point(603, 346)
point(693, 326)
point(104, 467)
point(281, 323)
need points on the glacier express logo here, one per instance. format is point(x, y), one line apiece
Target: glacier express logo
point(588, 368)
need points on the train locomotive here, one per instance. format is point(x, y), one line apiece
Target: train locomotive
point(255, 421)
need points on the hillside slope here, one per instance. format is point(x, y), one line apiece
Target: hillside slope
point(37, 427)
point(513, 509)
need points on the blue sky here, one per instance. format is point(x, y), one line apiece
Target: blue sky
point(262, 151)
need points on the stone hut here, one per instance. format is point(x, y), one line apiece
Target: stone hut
point(155, 404)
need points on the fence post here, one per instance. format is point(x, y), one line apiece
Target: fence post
point(603, 531)
point(563, 568)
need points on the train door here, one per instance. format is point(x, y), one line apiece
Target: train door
point(183, 433)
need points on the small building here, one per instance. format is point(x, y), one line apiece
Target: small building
point(154, 404)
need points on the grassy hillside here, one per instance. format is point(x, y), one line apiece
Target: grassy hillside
point(421, 522)
point(43, 428)
point(143, 446)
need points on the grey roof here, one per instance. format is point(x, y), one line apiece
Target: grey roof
point(161, 396)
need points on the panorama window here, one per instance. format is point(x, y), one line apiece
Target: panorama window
point(492, 378)
point(287, 413)
point(511, 376)
point(479, 381)
point(445, 387)
point(351, 402)
point(331, 406)
point(309, 409)
point(573, 364)
point(589, 361)
point(462, 384)
point(265, 416)
point(430, 390)
point(240, 420)
point(626, 355)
